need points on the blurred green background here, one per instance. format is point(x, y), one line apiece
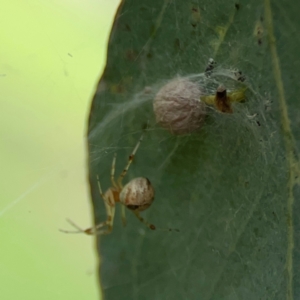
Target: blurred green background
point(51, 57)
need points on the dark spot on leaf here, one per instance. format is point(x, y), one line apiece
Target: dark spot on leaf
point(127, 27)
point(131, 55)
point(117, 89)
point(149, 55)
point(196, 17)
point(145, 125)
point(237, 6)
point(177, 44)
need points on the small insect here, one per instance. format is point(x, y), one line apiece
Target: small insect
point(238, 75)
point(223, 100)
point(137, 195)
point(210, 67)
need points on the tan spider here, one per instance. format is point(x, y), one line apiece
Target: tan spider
point(137, 195)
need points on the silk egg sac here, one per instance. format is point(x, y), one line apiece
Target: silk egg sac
point(178, 108)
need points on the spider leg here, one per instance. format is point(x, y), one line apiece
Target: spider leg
point(112, 172)
point(88, 231)
point(99, 188)
point(109, 206)
point(106, 201)
point(137, 214)
point(151, 226)
point(110, 212)
point(122, 175)
point(123, 214)
point(79, 230)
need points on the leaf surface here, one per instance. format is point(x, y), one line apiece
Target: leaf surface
point(231, 188)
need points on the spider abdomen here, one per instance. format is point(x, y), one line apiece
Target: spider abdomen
point(137, 194)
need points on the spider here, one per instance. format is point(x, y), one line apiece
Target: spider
point(137, 195)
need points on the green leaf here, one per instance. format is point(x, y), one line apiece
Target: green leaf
point(232, 187)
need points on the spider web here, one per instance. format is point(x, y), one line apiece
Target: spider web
point(228, 187)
